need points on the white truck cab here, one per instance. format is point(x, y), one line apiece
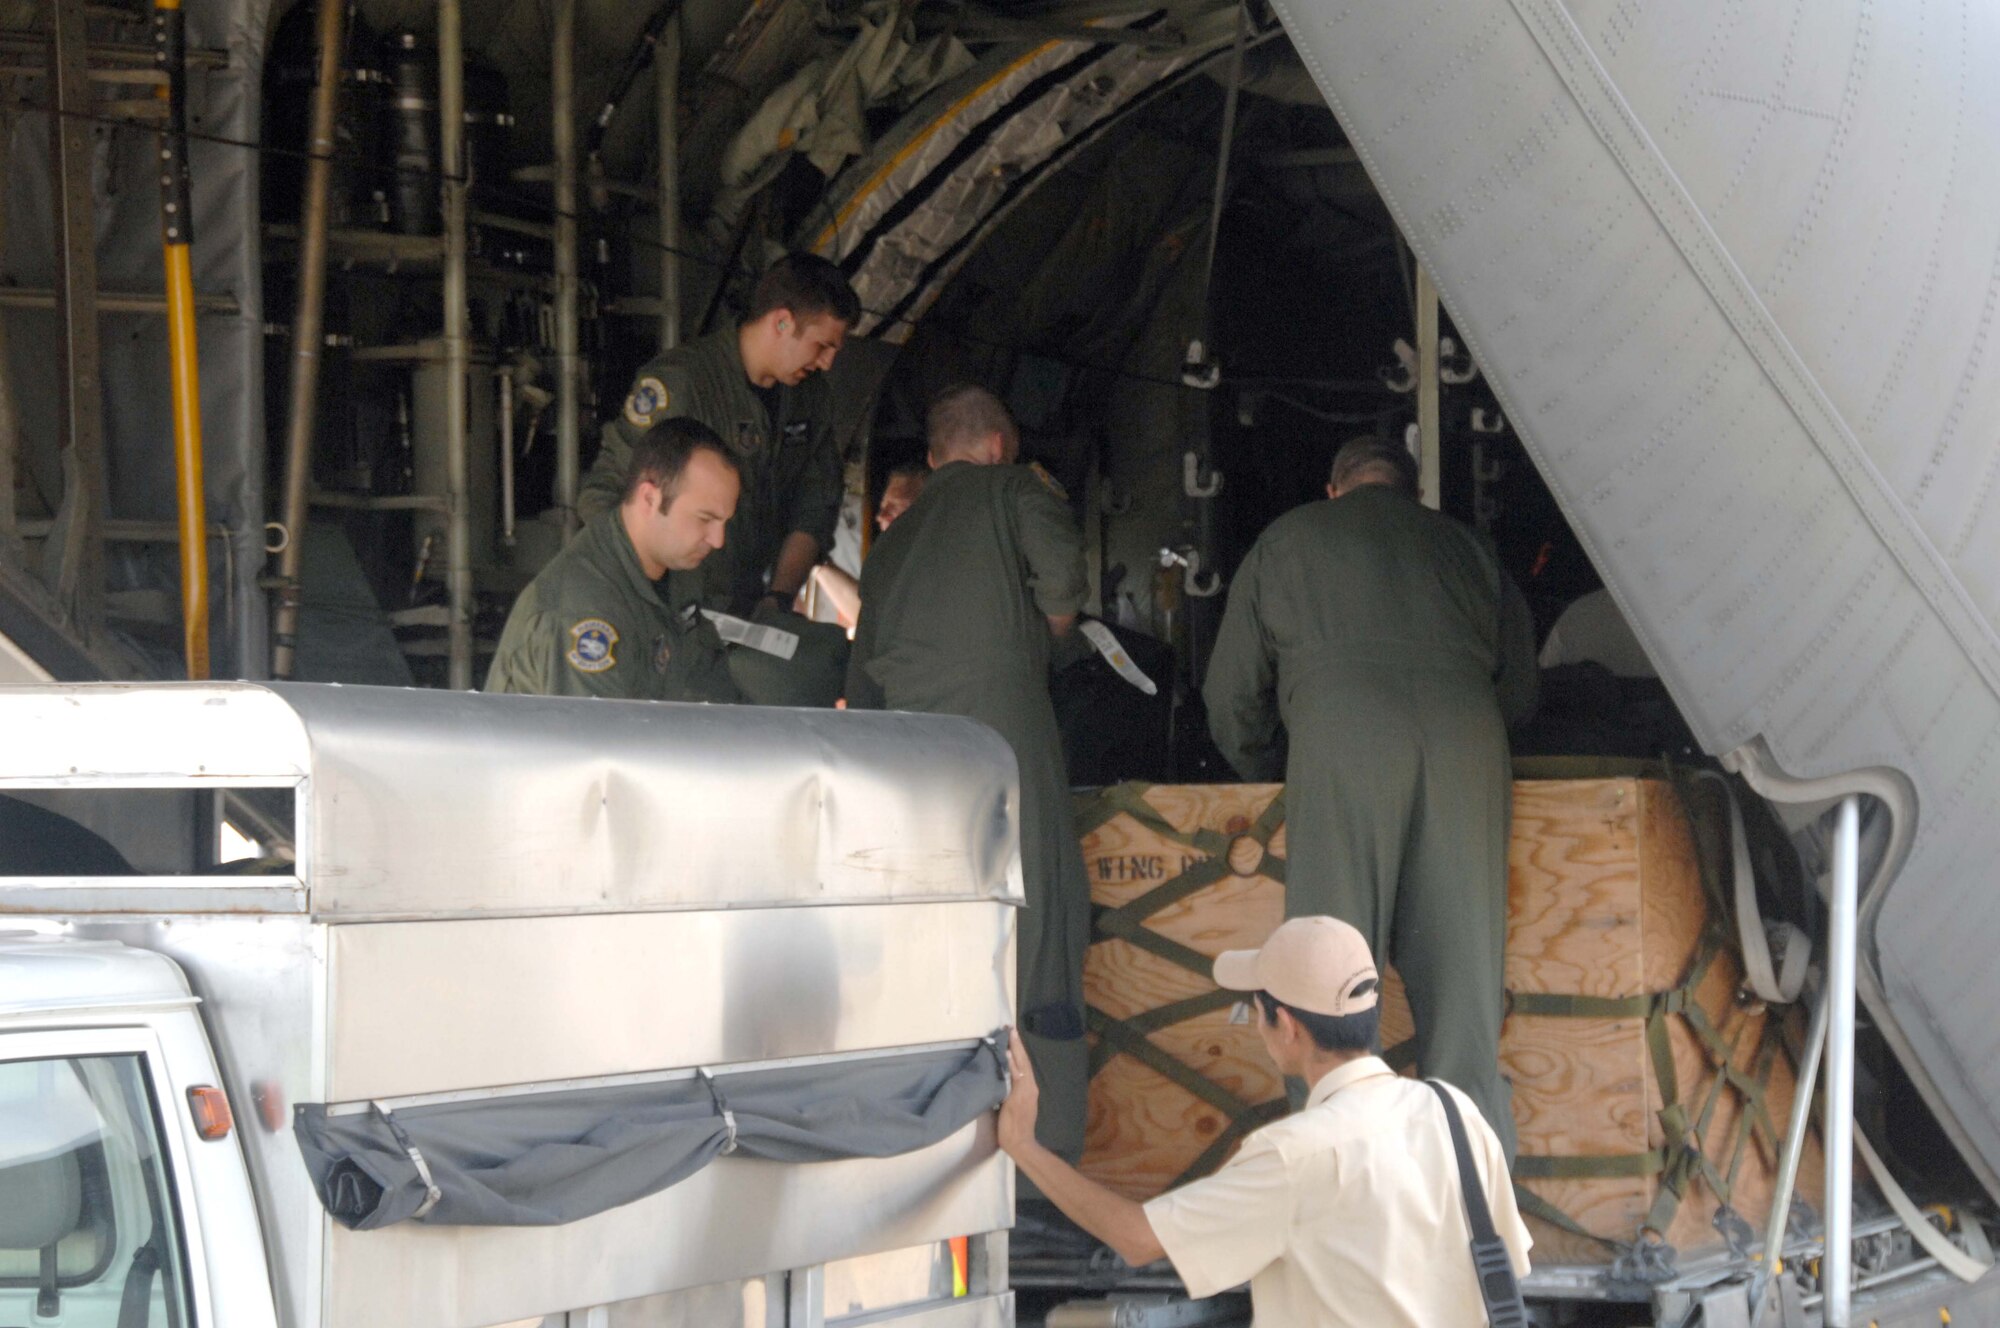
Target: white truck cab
point(126, 1200)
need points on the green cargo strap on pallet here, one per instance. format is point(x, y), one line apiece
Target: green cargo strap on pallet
point(1127, 922)
point(1684, 1158)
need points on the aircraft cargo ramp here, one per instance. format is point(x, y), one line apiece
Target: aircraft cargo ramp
point(1733, 270)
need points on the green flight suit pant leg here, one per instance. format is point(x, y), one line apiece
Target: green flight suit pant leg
point(1449, 932)
point(1398, 791)
point(1054, 929)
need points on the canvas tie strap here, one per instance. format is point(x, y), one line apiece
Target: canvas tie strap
point(432, 1194)
point(721, 1108)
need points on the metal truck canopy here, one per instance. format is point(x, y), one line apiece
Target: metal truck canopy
point(1733, 273)
point(528, 929)
point(419, 803)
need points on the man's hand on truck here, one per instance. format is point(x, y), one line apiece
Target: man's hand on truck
point(1111, 1217)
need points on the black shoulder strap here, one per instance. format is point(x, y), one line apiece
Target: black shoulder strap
point(1491, 1263)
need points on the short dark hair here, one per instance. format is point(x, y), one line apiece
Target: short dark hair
point(963, 414)
point(661, 455)
point(908, 470)
point(807, 285)
point(1329, 1032)
point(1369, 455)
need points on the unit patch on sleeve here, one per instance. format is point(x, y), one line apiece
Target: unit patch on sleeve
point(649, 397)
point(1049, 482)
point(591, 645)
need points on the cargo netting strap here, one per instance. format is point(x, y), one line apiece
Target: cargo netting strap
point(1132, 1035)
point(1684, 1157)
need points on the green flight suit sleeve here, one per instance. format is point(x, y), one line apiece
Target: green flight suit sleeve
point(519, 665)
point(1518, 679)
point(1052, 547)
point(1240, 690)
point(605, 482)
point(659, 391)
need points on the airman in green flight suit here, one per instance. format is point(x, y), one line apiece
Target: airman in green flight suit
point(617, 613)
point(960, 601)
point(1372, 655)
point(759, 386)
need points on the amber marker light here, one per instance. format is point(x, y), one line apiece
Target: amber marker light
point(210, 1109)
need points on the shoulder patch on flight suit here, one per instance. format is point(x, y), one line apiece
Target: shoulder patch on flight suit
point(649, 397)
point(1049, 482)
point(591, 646)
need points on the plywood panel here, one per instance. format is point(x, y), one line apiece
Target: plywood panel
point(1144, 1131)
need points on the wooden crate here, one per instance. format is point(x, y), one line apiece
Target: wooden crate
point(1146, 1131)
point(1605, 900)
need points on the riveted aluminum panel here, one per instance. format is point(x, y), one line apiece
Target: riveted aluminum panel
point(615, 805)
point(423, 804)
point(437, 1006)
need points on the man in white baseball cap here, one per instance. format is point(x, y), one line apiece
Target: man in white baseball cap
point(1349, 1212)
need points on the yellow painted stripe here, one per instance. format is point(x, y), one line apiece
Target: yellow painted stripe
point(184, 373)
point(951, 114)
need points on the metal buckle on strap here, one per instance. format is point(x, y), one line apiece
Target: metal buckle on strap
point(1647, 1261)
point(721, 1108)
point(432, 1194)
point(992, 1044)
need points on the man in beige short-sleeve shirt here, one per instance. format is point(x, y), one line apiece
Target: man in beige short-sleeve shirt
point(1346, 1213)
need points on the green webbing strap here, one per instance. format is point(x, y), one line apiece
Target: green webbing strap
point(1687, 1152)
point(1563, 1005)
point(1751, 1087)
point(1127, 921)
point(1660, 1045)
point(1534, 1205)
point(1198, 876)
point(1122, 1039)
point(1261, 830)
point(1164, 1016)
point(1128, 799)
point(1598, 1166)
point(1767, 1057)
point(1112, 924)
point(1719, 905)
point(1211, 1157)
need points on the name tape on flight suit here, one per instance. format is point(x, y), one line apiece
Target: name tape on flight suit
point(1114, 654)
point(739, 632)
